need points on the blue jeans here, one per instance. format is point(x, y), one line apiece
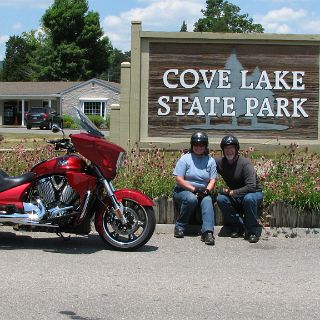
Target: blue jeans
point(188, 203)
point(232, 207)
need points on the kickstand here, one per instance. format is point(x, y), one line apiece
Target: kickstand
point(59, 234)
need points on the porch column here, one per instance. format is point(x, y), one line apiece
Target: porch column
point(105, 109)
point(22, 113)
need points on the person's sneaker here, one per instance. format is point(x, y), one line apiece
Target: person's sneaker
point(178, 233)
point(236, 232)
point(208, 238)
point(253, 238)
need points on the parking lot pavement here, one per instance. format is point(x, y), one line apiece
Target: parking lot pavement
point(280, 232)
point(45, 277)
point(21, 130)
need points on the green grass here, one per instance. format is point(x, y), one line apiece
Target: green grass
point(12, 140)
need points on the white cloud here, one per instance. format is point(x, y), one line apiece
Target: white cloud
point(278, 28)
point(162, 13)
point(112, 21)
point(165, 15)
point(284, 20)
point(312, 26)
point(284, 14)
point(4, 39)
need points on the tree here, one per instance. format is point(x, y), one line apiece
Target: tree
point(75, 48)
point(1, 70)
point(223, 16)
point(98, 48)
point(64, 20)
point(115, 60)
point(16, 65)
point(184, 27)
point(36, 41)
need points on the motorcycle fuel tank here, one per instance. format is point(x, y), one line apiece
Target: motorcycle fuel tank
point(61, 165)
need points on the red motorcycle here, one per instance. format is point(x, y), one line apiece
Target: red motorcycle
point(67, 193)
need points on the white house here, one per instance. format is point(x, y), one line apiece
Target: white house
point(94, 97)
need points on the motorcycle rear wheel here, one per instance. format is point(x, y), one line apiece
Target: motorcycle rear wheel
point(137, 232)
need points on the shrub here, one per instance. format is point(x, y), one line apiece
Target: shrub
point(293, 178)
point(21, 160)
point(149, 171)
point(97, 120)
point(68, 122)
point(106, 124)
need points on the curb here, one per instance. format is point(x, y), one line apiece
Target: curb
point(267, 232)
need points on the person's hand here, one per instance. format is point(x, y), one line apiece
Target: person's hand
point(201, 192)
point(226, 192)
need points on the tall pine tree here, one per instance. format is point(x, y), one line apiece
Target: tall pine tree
point(75, 48)
point(16, 65)
point(184, 27)
point(223, 16)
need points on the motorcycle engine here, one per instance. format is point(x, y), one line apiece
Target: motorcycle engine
point(55, 193)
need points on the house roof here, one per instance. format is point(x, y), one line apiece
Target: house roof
point(48, 87)
point(110, 85)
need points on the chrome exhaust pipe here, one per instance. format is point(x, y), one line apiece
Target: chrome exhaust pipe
point(19, 218)
point(24, 219)
point(32, 216)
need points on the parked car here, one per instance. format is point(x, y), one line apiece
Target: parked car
point(43, 118)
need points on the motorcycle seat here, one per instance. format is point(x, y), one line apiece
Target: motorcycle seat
point(7, 182)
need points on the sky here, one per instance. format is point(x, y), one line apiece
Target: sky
point(276, 16)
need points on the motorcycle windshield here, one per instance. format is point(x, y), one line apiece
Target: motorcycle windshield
point(85, 123)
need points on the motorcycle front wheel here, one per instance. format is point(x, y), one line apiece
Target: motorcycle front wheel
point(135, 233)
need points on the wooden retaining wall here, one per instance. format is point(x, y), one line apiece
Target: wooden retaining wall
point(166, 212)
point(277, 215)
point(284, 215)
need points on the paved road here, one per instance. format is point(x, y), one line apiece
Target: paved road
point(44, 277)
point(21, 130)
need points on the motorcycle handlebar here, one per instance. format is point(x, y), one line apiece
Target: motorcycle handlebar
point(52, 141)
point(61, 143)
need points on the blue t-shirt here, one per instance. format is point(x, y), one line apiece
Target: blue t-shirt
point(196, 170)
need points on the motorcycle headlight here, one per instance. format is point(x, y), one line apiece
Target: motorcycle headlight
point(121, 158)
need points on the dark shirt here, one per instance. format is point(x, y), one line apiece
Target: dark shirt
point(240, 176)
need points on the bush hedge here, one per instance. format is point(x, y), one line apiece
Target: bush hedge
point(99, 121)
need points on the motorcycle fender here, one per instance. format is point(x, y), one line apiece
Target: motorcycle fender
point(135, 195)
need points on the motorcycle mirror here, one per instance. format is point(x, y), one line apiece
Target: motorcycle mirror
point(56, 128)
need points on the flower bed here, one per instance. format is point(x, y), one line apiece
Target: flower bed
point(291, 178)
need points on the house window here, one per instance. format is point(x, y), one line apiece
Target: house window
point(94, 108)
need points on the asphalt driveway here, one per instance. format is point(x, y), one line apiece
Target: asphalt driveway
point(21, 130)
point(45, 277)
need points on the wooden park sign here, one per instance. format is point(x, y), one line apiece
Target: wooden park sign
point(248, 89)
point(259, 87)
